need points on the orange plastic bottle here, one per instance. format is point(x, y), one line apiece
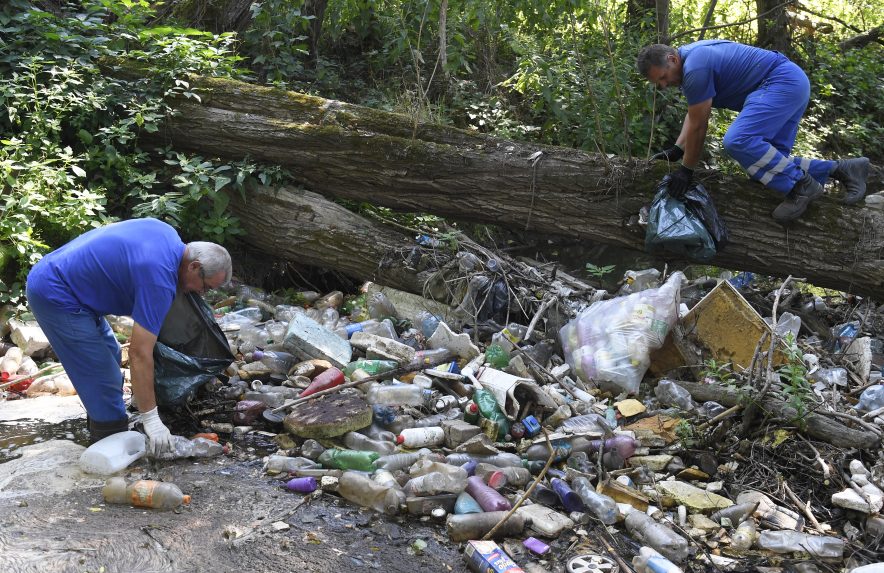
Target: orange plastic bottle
point(144, 493)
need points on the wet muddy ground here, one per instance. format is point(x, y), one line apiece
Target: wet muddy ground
point(231, 524)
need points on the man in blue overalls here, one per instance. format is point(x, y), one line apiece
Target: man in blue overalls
point(771, 94)
point(132, 268)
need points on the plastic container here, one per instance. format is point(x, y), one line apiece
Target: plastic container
point(487, 498)
point(599, 505)
point(744, 536)
point(362, 490)
point(144, 493)
point(468, 526)
point(623, 445)
point(497, 356)
point(113, 453)
point(195, 448)
point(421, 437)
point(325, 380)
point(795, 542)
point(279, 464)
point(658, 536)
point(490, 410)
point(466, 504)
point(434, 483)
point(382, 328)
point(671, 394)
point(649, 561)
point(872, 398)
point(301, 484)
point(357, 441)
point(370, 367)
point(396, 462)
point(348, 459)
point(500, 460)
point(11, 362)
point(376, 432)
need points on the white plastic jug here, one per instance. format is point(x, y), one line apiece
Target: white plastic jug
point(113, 453)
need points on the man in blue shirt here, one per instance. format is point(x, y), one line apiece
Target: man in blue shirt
point(132, 268)
point(771, 94)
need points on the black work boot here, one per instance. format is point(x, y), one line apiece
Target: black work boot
point(806, 190)
point(853, 174)
point(101, 430)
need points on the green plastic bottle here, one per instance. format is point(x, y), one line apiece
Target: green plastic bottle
point(336, 458)
point(497, 356)
point(490, 410)
point(372, 367)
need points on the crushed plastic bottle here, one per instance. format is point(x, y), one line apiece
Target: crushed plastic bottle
point(657, 535)
point(744, 536)
point(600, 505)
point(195, 448)
point(671, 394)
point(872, 398)
point(357, 441)
point(278, 362)
point(795, 542)
point(362, 490)
point(348, 459)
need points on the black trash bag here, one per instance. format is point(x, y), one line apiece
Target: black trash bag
point(674, 229)
point(495, 300)
point(700, 203)
point(191, 350)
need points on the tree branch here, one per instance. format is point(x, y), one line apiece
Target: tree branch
point(740, 23)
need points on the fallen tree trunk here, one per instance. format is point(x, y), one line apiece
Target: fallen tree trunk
point(816, 425)
point(359, 153)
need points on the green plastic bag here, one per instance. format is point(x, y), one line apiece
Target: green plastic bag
point(673, 229)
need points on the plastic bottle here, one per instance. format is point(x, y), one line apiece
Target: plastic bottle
point(487, 498)
point(671, 394)
point(11, 362)
point(276, 464)
point(744, 536)
point(278, 362)
point(384, 415)
point(561, 414)
point(113, 453)
point(500, 460)
point(357, 441)
point(490, 410)
point(649, 561)
point(475, 525)
point(144, 493)
point(516, 477)
point(434, 483)
point(382, 328)
point(660, 537)
point(735, 513)
point(623, 445)
point(421, 437)
point(872, 398)
point(371, 367)
point(829, 376)
point(788, 541)
point(437, 419)
point(380, 307)
point(311, 449)
point(362, 490)
point(466, 504)
point(385, 478)
point(497, 356)
point(301, 484)
point(544, 496)
point(396, 462)
point(540, 452)
point(600, 505)
point(426, 323)
point(325, 380)
point(428, 358)
point(788, 323)
point(396, 395)
point(348, 459)
point(569, 498)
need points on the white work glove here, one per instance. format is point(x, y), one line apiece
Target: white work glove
point(160, 439)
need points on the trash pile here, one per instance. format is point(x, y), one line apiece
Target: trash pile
point(667, 427)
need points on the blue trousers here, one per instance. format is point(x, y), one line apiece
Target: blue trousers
point(85, 344)
point(762, 136)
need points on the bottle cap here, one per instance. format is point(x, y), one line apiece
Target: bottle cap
point(473, 408)
point(399, 439)
point(257, 354)
point(185, 500)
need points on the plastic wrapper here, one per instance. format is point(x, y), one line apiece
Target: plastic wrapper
point(610, 342)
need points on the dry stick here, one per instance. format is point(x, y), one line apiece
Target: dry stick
point(804, 508)
point(773, 342)
point(540, 311)
point(720, 417)
point(827, 472)
point(755, 357)
point(871, 427)
point(552, 456)
point(610, 549)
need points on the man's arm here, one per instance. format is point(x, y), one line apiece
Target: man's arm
point(693, 132)
point(141, 367)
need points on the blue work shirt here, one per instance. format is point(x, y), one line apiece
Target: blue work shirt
point(725, 71)
point(128, 268)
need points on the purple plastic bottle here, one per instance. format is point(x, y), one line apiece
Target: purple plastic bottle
point(301, 484)
point(568, 496)
point(487, 498)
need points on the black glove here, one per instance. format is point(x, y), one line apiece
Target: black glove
point(680, 182)
point(671, 155)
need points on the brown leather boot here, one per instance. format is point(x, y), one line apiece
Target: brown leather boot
point(799, 198)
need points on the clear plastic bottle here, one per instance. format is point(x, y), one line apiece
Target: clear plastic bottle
point(311, 449)
point(395, 395)
point(789, 541)
point(276, 464)
point(396, 462)
point(382, 328)
point(357, 441)
point(649, 561)
point(487, 497)
point(600, 505)
point(144, 493)
point(623, 445)
point(380, 307)
point(428, 358)
point(500, 460)
point(744, 536)
point(195, 448)
point(516, 477)
point(376, 432)
point(437, 419)
point(278, 362)
point(586, 423)
point(385, 478)
point(421, 437)
point(872, 398)
point(660, 537)
point(348, 459)
point(671, 394)
point(362, 490)
point(561, 414)
point(434, 483)
point(468, 526)
point(426, 323)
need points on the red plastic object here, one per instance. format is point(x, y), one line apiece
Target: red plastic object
point(328, 379)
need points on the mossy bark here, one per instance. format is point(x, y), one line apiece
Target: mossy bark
point(349, 151)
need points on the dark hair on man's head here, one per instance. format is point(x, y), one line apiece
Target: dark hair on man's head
point(653, 55)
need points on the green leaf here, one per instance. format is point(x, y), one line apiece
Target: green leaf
point(78, 171)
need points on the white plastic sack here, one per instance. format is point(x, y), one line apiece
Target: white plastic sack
point(611, 341)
